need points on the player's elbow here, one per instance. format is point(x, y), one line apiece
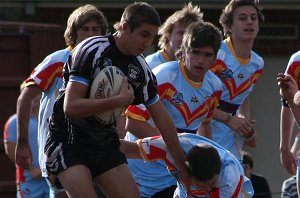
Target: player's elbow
point(70, 112)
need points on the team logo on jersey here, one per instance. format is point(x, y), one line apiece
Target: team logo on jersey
point(177, 98)
point(226, 74)
point(194, 100)
point(241, 75)
point(135, 76)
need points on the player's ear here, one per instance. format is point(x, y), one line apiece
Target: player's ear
point(125, 27)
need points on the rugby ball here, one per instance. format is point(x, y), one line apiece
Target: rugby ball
point(107, 83)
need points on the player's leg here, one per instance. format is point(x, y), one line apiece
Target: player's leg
point(118, 182)
point(77, 181)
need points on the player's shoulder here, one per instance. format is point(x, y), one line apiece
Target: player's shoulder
point(93, 42)
point(152, 56)
point(257, 59)
point(167, 67)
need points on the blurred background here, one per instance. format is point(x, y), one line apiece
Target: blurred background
point(32, 29)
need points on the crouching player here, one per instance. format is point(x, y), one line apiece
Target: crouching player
point(214, 171)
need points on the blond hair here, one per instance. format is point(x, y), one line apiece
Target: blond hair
point(185, 16)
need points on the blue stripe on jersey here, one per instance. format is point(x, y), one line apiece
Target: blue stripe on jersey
point(79, 79)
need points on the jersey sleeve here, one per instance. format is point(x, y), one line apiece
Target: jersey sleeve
point(154, 148)
point(48, 70)
point(138, 112)
point(232, 182)
point(293, 67)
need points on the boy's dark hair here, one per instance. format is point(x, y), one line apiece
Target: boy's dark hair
point(226, 18)
point(247, 159)
point(203, 162)
point(198, 35)
point(138, 14)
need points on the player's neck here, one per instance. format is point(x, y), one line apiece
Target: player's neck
point(170, 52)
point(119, 42)
point(242, 48)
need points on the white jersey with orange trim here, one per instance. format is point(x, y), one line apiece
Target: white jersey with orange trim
point(238, 78)
point(232, 181)
point(157, 58)
point(48, 77)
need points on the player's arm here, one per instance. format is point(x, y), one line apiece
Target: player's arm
point(77, 106)
point(286, 127)
point(165, 125)
point(140, 129)
point(130, 149)
point(241, 125)
point(24, 105)
point(205, 130)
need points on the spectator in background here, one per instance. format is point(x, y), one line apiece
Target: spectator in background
point(259, 183)
point(30, 182)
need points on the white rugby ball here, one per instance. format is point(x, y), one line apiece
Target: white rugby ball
point(106, 84)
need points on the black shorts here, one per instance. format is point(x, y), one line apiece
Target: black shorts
point(61, 156)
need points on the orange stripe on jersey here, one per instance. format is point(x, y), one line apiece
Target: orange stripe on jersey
point(215, 193)
point(137, 113)
point(52, 71)
point(215, 101)
point(230, 84)
point(165, 55)
point(167, 91)
point(155, 153)
point(294, 71)
point(238, 188)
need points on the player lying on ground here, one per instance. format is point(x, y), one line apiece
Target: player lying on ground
point(215, 172)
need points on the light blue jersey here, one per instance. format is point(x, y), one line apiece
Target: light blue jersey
point(238, 79)
point(48, 77)
point(157, 58)
point(232, 181)
point(189, 104)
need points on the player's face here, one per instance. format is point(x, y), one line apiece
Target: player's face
point(175, 39)
point(245, 24)
point(208, 185)
point(91, 28)
point(135, 42)
point(198, 61)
